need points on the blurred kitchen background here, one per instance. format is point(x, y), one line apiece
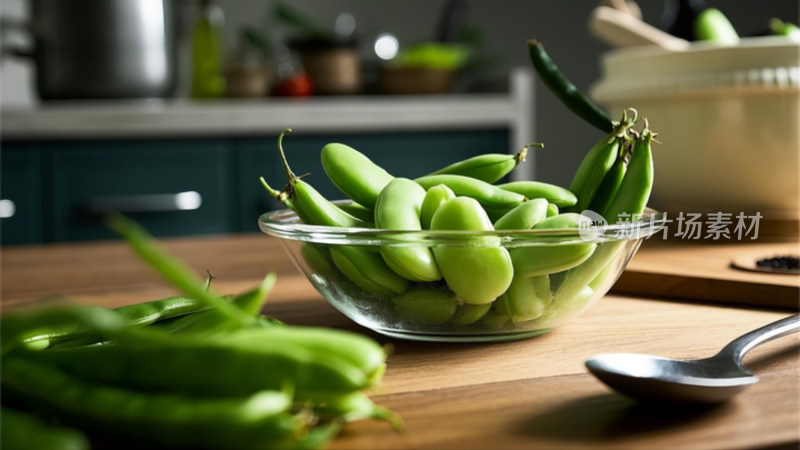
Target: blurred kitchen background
point(72, 157)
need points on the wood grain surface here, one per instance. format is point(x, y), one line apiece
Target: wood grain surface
point(533, 393)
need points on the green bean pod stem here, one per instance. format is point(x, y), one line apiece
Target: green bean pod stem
point(398, 208)
point(477, 274)
point(634, 190)
point(354, 173)
point(435, 197)
point(556, 195)
point(257, 420)
point(488, 195)
point(567, 92)
point(489, 167)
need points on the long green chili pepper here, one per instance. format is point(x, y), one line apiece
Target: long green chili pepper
point(567, 92)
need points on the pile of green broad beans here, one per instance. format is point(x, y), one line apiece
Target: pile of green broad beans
point(201, 371)
point(483, 285)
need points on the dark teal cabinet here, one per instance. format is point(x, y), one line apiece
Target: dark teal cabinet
point(170, 187)
point(62, 189)
point(21, 194)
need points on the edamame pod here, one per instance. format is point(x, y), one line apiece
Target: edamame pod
point(367, 270)
point(426, 304)
point(398, 208)
point(486, 194)
point(434, 198)
point(489, 167)
point(526, 299)
point(524, 216)
point(354, 173)
point(536, 189)
point(477, 274)
point(634, 191)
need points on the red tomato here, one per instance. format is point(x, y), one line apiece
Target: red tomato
point(298, 85)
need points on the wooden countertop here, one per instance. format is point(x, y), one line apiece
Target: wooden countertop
point(533, 393)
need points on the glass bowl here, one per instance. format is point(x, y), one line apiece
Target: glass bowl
point(544, 297)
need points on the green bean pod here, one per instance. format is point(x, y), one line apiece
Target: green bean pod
point(367, 270)
point(524, 216)
point(609, 186)
point(426, 304)
point(358, 211)
point(354, 406)
point(435, 197)
point(313, 208)
point(22, 431)
point(546, 259)
point(634, 190)
point(556, 195)
point(526, 299)
point(354, 173)
point(485, 193)
point(552, 210)
point(712, 25)
point(569, 95)
point(398, 208)
point(477, 274)
point(591, 171)
point(489, 167)
point(218, 365)
point(467, 314)
point(256, 420)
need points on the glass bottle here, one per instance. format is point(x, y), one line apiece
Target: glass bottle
point(207, 77)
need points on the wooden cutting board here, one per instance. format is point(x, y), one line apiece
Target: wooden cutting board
point(706, 272)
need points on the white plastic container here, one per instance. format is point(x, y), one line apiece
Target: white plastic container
point(728, 118)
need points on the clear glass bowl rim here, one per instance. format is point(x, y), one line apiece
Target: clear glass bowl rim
point(284, 223)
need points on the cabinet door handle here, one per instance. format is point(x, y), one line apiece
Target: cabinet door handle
point(150, 203)
point(7, 208)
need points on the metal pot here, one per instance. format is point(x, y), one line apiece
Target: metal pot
point(91, 49)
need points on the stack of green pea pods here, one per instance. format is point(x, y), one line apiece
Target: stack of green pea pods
point(484, 286)
point(202, 371)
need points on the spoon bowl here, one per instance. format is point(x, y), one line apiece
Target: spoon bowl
point(710, 380)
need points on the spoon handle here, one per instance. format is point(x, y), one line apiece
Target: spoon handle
point(743, 344)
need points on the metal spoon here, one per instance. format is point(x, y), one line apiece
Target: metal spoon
point(709, 380)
